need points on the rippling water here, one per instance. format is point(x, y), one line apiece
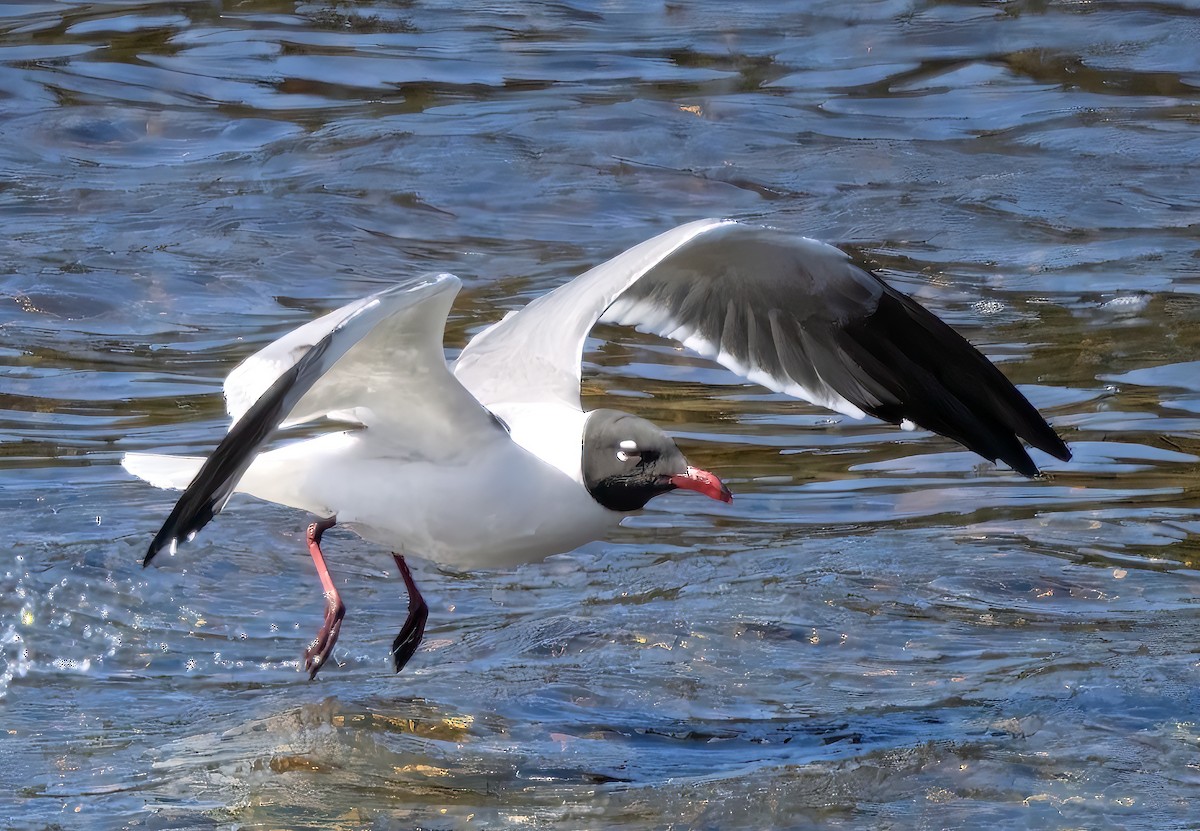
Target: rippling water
point(881, 632)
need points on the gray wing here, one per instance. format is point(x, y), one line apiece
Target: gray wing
point(378, 362)
point(534, 355)
point(792, 314)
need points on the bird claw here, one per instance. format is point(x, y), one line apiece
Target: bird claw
point(406, 643)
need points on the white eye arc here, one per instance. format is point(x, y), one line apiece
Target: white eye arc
point(622, 456)
point(629, 444)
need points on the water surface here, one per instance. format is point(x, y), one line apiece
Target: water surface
point(881, 631)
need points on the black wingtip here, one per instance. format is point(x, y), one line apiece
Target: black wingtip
point(1058, 448)
point(193, 511)
point(217, 477)
point(161, 539)
point(1022, 464)
point(155, 547)
point(1028, 424)
point(1026, 466)
point(941, 382)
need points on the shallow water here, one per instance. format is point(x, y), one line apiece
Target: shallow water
point(880, 632)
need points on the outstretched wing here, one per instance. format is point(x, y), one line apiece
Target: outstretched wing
point(247, 382)
point(534, 355)
point(378, 362)
point(790, 313)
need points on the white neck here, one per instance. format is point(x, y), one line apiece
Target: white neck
point(552, 431)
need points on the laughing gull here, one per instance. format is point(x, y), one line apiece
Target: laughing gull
point(491, 461)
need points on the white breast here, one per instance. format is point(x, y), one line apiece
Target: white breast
point(498, 508)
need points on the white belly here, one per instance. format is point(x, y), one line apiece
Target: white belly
point(494, 509)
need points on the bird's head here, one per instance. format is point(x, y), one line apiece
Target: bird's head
point(627, 461)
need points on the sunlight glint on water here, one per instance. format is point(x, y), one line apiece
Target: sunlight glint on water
point(881, 630)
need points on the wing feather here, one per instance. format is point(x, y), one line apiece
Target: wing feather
point(380, 358)
point(790, 313)
point(534, 356)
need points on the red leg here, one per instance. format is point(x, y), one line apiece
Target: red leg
point(409, 639)
point(318, 651)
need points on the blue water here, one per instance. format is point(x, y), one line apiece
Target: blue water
point(881, 631)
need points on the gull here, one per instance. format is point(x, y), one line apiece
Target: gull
point(490, 461)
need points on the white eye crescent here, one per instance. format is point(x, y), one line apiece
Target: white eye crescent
point(629, 444)
point(622, 456)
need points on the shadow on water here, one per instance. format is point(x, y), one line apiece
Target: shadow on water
point(881, 631)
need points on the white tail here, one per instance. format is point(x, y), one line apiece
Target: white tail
point(172, 472)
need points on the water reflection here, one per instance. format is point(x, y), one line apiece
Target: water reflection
point(880, 630)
